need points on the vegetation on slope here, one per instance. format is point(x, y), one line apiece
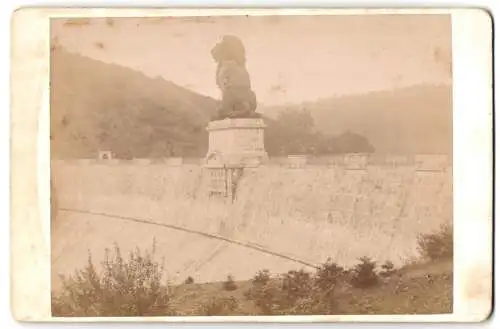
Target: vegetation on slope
point(414, 119)
point(95, 106)
point(294, 131)
point(99, 106)
point(133, 287)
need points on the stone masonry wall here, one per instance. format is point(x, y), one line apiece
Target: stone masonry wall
point(341, 207)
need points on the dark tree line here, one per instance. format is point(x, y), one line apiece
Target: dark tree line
point(293, 132)
point(145, 129)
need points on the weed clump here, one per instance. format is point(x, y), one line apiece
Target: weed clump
point(363, 275)
point(220, 306)
point(261, 278)
point(388, 269)
point(436, 246)
point(229, 284)
point(124, 287)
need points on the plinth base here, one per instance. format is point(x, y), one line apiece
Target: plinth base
point(236, 143)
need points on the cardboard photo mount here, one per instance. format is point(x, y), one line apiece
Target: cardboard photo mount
point(472, 162)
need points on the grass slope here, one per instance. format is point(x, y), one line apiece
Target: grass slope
point(95, 106)
point(133, 286)
point(415, 289)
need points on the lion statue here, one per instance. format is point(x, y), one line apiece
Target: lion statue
point(238, 99)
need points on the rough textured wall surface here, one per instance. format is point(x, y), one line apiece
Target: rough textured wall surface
point(339, 209)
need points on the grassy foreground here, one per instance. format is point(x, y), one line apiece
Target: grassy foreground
point(134, 287)
point(417, 289)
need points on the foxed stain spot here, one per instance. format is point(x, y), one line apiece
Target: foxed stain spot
point(77, 22)
point(110, 22)
point(438, 54)
point(201, 19)
point(64, 121)
point(277, 89)
point(441, 57)
point(54, 43)
point(273, 19)
point(154, 20)
point(99, 45)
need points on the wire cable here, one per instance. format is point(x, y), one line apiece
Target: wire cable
point(187, 230)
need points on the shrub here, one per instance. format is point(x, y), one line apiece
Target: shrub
point(298, 292)
point(363, 274)
point(388, 269)
point(261, 278)
point(439, 245)
point(296, 285)
point(266, 297)
point(220, 306)
point(304, 306)
point(229, 284)
point(274, 297)
point(124, 287)
point(326, 280)
point(328, 275)
point(189, 280)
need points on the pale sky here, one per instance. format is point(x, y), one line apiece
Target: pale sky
point(290, 59)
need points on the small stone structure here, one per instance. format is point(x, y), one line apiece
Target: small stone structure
point(105, 155)
point(297, 161)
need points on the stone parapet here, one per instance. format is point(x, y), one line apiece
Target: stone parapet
point(422, 162)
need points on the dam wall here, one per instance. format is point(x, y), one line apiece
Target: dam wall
point(342, 207)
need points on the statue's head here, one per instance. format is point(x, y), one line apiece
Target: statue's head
point(230, 48)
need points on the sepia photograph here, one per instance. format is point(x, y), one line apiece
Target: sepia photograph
point(251, 165)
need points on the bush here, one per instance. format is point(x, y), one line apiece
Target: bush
point(363, 274)
point(296, 285)
point(220, 306)
point(229, 284)
point(124, 287)
point(328, 275)
point(261, 278)
point(304, 306)
point(439, 245)
point(189, 280)
point(274, 297)
point(266, 297)
point(298, 293)
point(388, 269)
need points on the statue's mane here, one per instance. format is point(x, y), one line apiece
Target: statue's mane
point(230, 48)
point(238, 99)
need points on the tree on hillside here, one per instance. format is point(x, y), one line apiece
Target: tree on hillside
point(291, 133)
point(294, 132)
point(346, 142)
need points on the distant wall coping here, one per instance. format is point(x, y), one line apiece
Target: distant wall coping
point(355, 161)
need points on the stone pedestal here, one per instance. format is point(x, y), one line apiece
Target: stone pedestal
point(236, 143)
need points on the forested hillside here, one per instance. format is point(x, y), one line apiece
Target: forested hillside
point(417, 119)
point(96, 105)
